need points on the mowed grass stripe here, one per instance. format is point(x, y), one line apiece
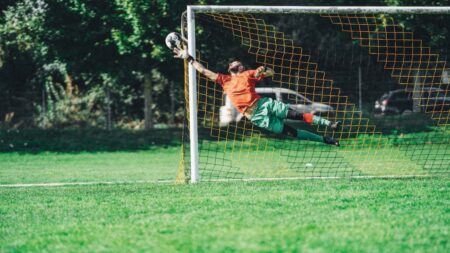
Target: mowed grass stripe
point(154, 166)
point(378, 215)
point(51, 167)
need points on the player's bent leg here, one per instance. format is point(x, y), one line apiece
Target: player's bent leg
point(280, 109)
point(312, 119)
point(264, 117)
point(308, 118)
point(290, 131)
point(308, 136)
point(294, 115)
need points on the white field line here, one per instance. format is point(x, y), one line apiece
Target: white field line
point(321, 178)
point(57, 184)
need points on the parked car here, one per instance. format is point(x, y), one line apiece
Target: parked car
point(229, 114)
point(406, 101)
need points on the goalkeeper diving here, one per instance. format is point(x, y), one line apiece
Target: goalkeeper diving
point(239, 85)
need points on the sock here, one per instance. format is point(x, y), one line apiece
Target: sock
point(321, 121)
point(309, 118)
point(305, 135)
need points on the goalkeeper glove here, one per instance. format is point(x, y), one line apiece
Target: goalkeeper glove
point(182, 54)
point(260, 70)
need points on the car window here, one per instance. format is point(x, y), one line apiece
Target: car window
point(399, 95)
point(293, 99)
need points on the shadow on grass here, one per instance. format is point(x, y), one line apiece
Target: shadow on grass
point(100, 140)
point(87, 140)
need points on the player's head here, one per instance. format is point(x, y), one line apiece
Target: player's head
point(235, 67)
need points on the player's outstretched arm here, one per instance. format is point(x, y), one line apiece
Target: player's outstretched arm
point(182, 54)
point(206, 72)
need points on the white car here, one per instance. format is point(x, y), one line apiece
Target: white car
point(229, 114)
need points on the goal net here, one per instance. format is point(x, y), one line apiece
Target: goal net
point(387, 84)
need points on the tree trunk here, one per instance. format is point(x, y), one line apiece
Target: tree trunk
point(148, 102)
point(109, 113)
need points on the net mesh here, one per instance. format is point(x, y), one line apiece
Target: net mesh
point(239, 150)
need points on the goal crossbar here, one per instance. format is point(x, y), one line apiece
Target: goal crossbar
point(321, 9)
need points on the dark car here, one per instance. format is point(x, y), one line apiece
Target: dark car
point(407, 101)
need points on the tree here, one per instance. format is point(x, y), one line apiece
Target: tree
point(116, 50)
point(138, 33)
point(22, 54)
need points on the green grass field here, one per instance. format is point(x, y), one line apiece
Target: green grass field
point(410, 215)
point(50, 167)
point(144, 215)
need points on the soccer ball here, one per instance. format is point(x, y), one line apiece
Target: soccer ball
point(173, 40)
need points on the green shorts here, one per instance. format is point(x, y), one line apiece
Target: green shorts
point(270, 114)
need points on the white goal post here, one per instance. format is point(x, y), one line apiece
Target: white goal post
point(193, 9)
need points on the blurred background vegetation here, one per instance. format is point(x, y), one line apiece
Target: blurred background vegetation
point(104, 64)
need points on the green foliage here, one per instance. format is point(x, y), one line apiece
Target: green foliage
point(432, 29)
point(105, 47)
point(71, 108)
point(23, 25)
point(138, 33)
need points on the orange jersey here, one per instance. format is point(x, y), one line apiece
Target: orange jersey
point(240, 88)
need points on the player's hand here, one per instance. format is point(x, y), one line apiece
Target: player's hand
point(180, 53)
point(260, 71)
